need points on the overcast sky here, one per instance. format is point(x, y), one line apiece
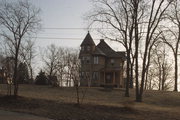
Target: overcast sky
point(62, 14)
point(65, 14)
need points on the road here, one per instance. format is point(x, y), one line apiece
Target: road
point(6, 115)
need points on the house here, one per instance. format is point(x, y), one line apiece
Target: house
point(100, 64)
point(6, 70)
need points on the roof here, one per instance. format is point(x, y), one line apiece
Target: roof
point(102, 48)
point(88, 40)
point(107, 50)
point(122, 54)
point(98, 52)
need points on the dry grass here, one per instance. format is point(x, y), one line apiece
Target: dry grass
point(99, 104)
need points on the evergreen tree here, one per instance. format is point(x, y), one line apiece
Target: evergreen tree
point(23, 75)
point(41, 79)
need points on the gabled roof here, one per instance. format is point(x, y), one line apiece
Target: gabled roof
point(107, 50)
point(88, 40)
point(98, 52)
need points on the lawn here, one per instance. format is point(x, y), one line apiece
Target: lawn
point(98, 104)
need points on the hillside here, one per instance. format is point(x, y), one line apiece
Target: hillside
point(98, 104)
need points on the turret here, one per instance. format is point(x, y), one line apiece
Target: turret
point(88, 45)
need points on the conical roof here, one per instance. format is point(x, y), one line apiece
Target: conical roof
point(88, 40)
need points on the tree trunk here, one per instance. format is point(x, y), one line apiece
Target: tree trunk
point(138, 98)
point(163, 76)
point(15, 75)
point(131, 76)
point(31, 72)
point(146, 80)
point(176, 74)
point(160, 74)
point(128, 75)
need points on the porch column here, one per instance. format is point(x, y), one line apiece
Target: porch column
point(114, 78)
point(104, 78)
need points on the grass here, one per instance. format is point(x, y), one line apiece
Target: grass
point(99, 104)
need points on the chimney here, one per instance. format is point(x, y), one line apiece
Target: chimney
point(101, 40)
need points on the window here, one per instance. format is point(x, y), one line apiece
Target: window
point(121, 64)
point(87, 60)
point(87, 75)
point(112, 61)
point(82, 74)
point(96, 60)
point(82, 60)
point(95, 75)
point(88, 48)
point(108, 77)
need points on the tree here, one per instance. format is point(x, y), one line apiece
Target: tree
point(23, 75)
point(50, 59)
point(61, 65)
point(75, 74)
point(27, 53)
point(19, 20)
point(41, 79)
point(75, 71)
point(171, 36)
point(150, 18)
point(160, 67)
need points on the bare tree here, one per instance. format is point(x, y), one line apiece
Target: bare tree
point(75, 71)
point(71, 62)
point(19, 20)
point(153, 15)
point(50, 58)
point(27, 53)
point(160, 67)
point(61, 65)
point(172, 35)
point(75, 74)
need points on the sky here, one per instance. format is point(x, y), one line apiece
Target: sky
point(66, 16)
point(62, 14)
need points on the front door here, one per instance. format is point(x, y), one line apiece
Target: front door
point(109, 78)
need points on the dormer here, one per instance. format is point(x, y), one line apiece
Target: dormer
point(88, 45)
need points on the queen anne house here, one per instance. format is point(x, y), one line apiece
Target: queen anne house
point(100, 64)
